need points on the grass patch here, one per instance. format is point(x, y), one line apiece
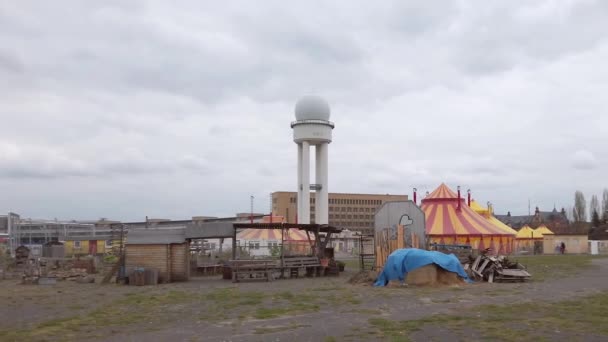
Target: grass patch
point(351, 264)
point(367, 311)
point(534, 321)
point(544, 267)
point(294, 308)
point(130, 310)
point(271, 330)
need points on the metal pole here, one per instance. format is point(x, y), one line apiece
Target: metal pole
point(282, 250)
point(234, 244)
point(251, 209)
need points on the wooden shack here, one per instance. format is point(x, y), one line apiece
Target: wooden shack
point(165, 250)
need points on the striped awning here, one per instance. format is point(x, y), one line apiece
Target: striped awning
point(445, 217)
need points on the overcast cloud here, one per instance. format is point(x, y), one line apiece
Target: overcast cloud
point(123, 109)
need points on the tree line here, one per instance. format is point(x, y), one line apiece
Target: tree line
point(598, 212)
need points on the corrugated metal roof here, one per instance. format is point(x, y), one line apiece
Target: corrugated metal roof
point(155, 236)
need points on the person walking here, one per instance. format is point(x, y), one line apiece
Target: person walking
point(563, 248)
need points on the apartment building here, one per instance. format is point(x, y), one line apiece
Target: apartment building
point(351, 211)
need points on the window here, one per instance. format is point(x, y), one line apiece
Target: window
point(343, 209)
point(349, 209)
point(77, 244)
point(356, 209)
point(254, 245)
point(108, 243)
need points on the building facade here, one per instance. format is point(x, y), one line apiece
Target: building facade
point(354, 212)
point(554, 220)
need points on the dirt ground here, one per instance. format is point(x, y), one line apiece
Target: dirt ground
point(561, 306)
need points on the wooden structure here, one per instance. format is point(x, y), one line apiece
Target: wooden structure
point(367, 253)
point(318, 237)
point(310, 264)
point(387, 242)
point(252, 270)
point(163, 249)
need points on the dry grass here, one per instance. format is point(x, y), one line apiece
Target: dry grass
point(533, 321)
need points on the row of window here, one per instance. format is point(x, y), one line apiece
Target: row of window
point(78, 244)
point(344, 216)
point(343, 201)
point(351, 224)
point(347, 209)
point(354, 201)
point(351, 209)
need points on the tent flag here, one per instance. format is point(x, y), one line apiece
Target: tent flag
point(402, 261)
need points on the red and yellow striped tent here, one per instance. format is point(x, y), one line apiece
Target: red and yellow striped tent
point(450, 221)
point(488, 215)
point(295, 241)
point(273, 234)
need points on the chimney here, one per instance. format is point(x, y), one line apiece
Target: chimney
point(415, 196)
point(508, 213)
point(469, 197)
point(458, 198)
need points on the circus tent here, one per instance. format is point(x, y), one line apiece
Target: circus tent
point(487, 214)
point(543, 230)
point(260, 242)
point(528, 233)
point(449, 220)
point(525, 238)
point(272, 235)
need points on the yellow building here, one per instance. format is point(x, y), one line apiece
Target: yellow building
point(352, 211)
point(86, 247)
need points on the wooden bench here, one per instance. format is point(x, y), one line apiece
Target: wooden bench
point(252, 269)
point(293, 265)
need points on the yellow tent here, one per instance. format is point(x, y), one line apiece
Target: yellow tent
point(528, 233)
point(487, 214)
point(543, 230)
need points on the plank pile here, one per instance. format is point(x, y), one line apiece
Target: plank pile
point(496, 269)
point(72, 274)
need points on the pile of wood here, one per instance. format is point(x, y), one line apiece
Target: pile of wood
point(72, 274)
point(496, 269)
point(32, 274)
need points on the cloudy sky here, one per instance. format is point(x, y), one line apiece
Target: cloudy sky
point(123, 109)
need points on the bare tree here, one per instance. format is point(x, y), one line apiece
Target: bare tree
point(569, 214)
point(594, 206)
point(605, 205)
point(580, 207)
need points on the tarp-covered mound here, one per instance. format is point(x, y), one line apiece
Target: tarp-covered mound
point(403, 261)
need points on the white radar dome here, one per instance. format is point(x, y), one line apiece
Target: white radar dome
point(312, 107)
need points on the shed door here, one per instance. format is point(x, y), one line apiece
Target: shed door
point(92, 247)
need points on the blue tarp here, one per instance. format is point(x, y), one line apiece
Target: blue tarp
point(402, 261)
